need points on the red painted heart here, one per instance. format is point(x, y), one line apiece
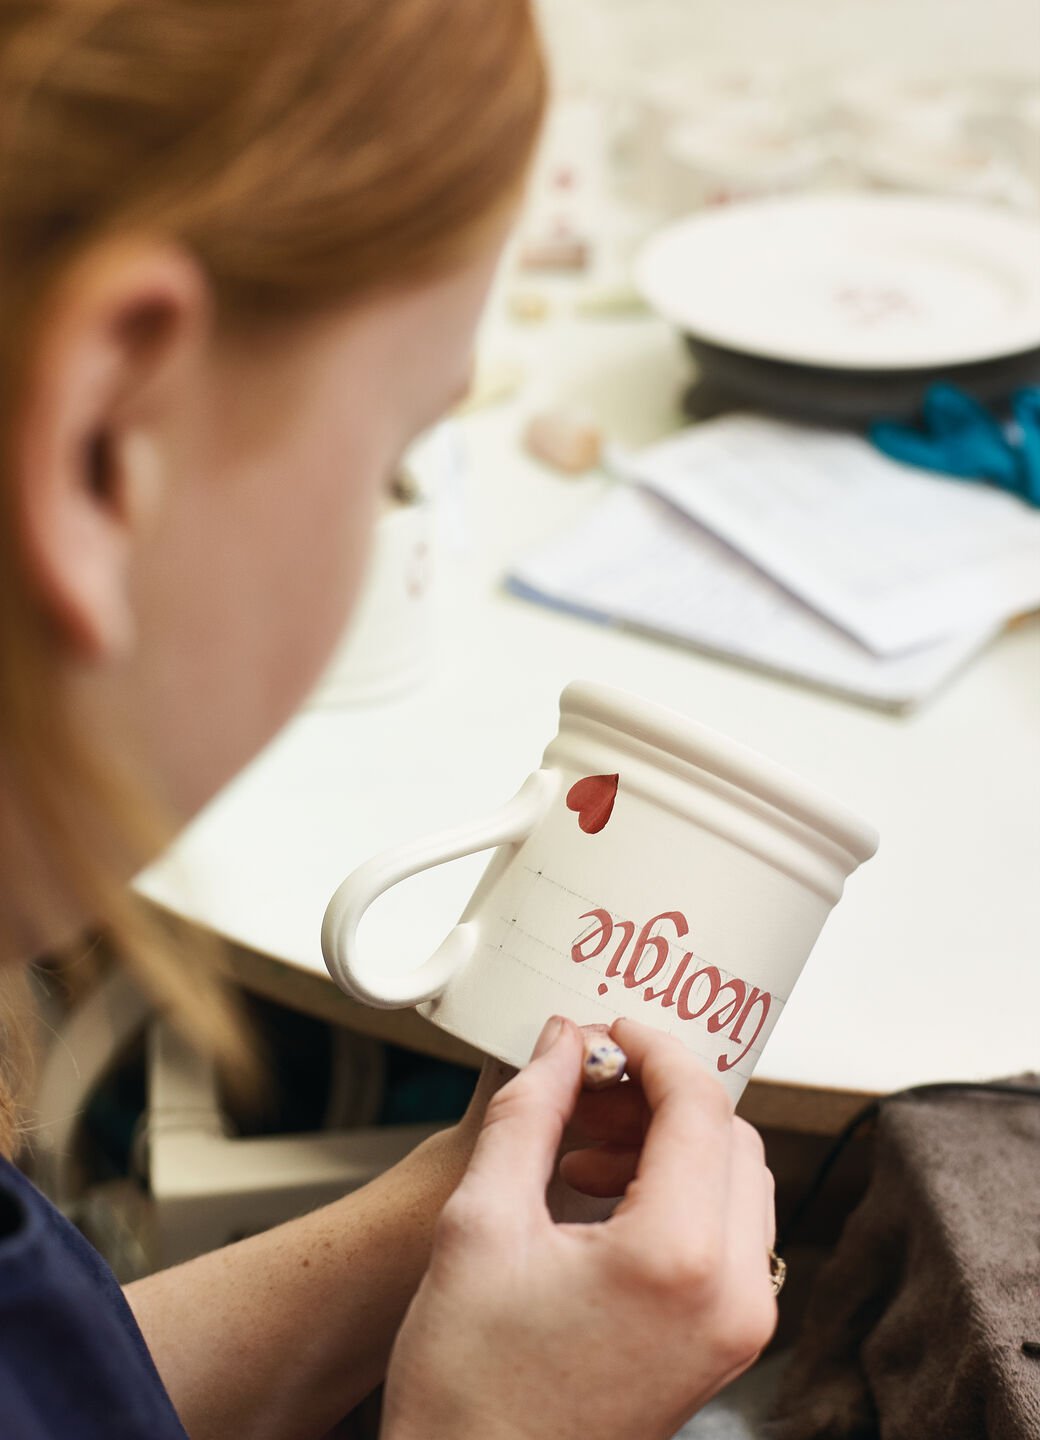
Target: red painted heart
point(593, 799)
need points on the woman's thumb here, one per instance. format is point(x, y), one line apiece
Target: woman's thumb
point(519, 1140)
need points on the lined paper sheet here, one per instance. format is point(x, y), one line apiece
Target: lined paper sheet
point(896, 557)
point(634, 559)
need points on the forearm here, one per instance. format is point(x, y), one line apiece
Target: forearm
point(279, 1336)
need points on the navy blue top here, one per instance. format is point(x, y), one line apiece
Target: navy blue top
point(73, 1364)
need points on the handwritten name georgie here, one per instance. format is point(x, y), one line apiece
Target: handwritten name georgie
point(732, 1009)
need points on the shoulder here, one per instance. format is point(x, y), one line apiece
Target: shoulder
point(73, 1362)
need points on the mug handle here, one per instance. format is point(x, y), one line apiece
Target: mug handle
point(507, 826)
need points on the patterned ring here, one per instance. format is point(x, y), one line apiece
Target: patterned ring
point(777, 1272)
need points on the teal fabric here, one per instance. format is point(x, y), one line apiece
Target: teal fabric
point(958, 436)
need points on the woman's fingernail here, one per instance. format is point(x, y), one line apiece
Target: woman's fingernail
point(549, 1036)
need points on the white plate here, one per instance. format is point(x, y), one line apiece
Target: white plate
point(858, 282)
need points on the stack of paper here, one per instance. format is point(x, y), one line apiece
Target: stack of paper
point(800, 551)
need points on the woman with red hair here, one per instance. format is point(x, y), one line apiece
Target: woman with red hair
point(243, 248)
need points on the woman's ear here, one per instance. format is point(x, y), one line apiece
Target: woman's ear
point(121, 339)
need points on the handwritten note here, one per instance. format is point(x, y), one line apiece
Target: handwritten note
point(635, 560)
point(896, 557)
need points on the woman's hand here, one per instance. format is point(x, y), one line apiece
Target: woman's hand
point(524, 1329)
point(601, 1143)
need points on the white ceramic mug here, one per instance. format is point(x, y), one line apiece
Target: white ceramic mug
point(650, 868)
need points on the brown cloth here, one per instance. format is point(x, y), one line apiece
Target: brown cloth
point(924, 1324)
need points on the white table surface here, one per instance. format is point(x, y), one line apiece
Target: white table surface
point(930, 966)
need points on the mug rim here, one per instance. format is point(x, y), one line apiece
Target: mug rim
point(707, 749)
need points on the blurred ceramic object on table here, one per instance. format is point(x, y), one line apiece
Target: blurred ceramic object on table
point(954, 164)
point(728, 380)
point(388, 645)
point(940, 135)
point(655, 108)
point(851, 281)
point(566, 196)
point(881, 96)
point(1009, 117)
point(857, 304)
point(1029, 114)
point(741, 156)
point(641, 114)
